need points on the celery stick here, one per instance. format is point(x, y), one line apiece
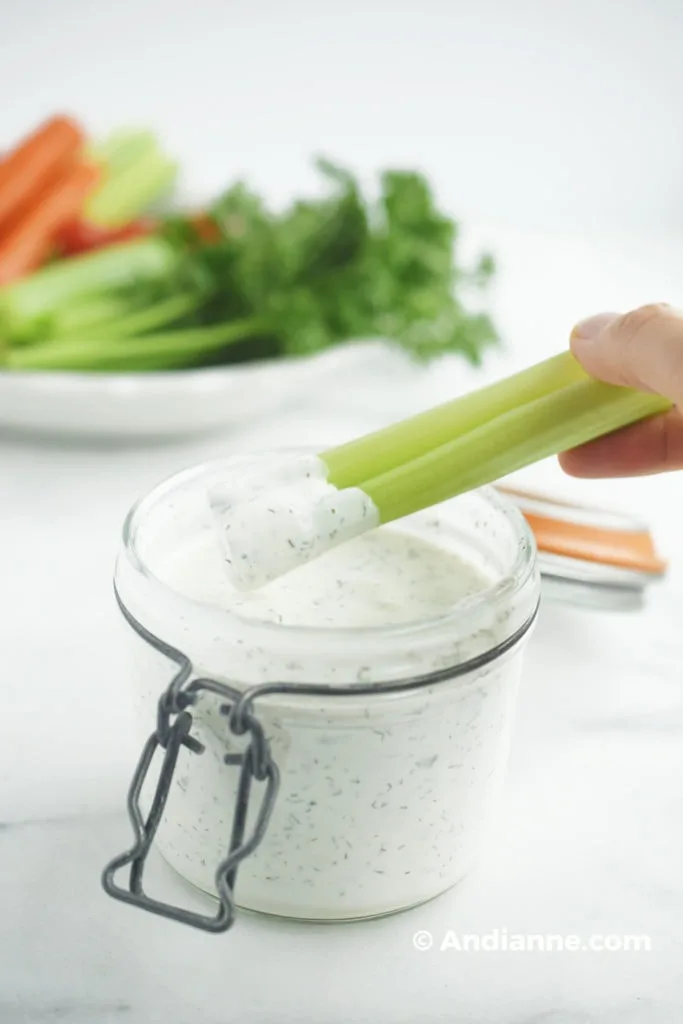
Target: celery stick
point(128, 193)
point(391, 447)
point(44, 292)
point(153, 351)
point(123, 148)
point(140, 321)
point(563, 419)
point(86, 315)
point(79, 317)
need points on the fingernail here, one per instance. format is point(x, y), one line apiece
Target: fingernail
point(593, 326)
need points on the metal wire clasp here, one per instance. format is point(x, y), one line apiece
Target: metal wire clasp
point(173, 731)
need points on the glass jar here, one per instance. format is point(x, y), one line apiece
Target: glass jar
point(349, 773)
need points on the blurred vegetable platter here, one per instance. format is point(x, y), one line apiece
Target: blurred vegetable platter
point(100, 271)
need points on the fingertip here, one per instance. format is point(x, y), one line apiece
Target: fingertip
point(573, 464)
point(584, 342)
point(591, 328)
point(654, 445)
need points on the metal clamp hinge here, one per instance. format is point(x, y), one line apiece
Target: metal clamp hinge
point(173, 731)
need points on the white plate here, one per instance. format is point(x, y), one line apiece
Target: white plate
point(174, 403)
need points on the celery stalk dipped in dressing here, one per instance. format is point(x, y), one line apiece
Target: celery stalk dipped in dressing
point(283, 515)
point(295, 509)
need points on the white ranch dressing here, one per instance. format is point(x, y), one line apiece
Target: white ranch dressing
point(281, 515)
point(385, 577)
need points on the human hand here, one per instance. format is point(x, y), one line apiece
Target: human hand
point(642, 350)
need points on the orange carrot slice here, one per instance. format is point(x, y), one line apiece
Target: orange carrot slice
point(78, 236)
point(30, 241)
point(25, 171)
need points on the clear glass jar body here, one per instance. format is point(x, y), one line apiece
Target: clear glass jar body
point(385, 796)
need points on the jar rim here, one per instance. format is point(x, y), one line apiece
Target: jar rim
point(517, 577)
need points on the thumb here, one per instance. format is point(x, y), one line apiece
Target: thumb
point(642, 349)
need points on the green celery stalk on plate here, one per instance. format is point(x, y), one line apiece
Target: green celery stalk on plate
point(138, 174)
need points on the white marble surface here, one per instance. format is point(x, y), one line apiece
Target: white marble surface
point(591, 836)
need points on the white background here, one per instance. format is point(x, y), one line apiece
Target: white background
point(539, 113)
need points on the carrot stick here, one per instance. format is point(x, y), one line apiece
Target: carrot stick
point(21, 212)
point(28, 244)
point(28, 167)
